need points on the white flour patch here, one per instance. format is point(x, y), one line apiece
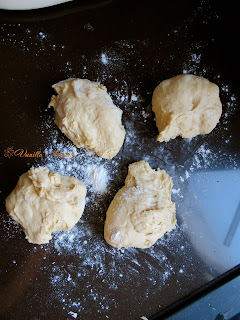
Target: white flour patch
point(134, 97)
point(120, 95)
point(110, 266)
point(181, 179)
point(73, 314)
point(203, 158)
point(97, 177)
point(196, 57)
point(187, 174)
point(192, 63)
point(104, 58)
point(92, 253)
point(41, 35)
point(94, 171)
point(11, 228)
point(177, 192)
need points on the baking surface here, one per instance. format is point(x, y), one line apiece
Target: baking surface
point(129, 49)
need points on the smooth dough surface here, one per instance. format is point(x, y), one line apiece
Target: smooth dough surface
point(142, 211)
point(186, 106)
point(86, 114)
point(45, 201)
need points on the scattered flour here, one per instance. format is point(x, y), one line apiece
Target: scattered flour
point(181, 178)
point(98, 262)
point(98, 177)
point(104, 58)
point(134, 97)
point(73, 314)
point(42, 35)
point(92, 260)
point(177, 192)
point(187, 175)
point(203, 158)
point(85, 165)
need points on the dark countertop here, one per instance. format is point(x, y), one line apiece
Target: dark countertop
point(129, 46)
point(222, 303)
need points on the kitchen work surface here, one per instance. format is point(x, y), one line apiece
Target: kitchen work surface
point(129, 47)
point(220, 304)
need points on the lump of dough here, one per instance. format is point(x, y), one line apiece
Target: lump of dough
point(142, 211)
point(186, 106)
point(86, 114)
point(45, 201)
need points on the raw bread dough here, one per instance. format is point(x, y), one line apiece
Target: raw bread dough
point(186, 105)
point(45, 201)
point(86, 114)
point(142, 211)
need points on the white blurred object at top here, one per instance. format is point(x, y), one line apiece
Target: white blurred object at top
point(28, 4)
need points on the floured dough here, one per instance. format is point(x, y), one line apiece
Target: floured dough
point(142, 211)
point(186, 105)
point(45, 201)
point(86, 114)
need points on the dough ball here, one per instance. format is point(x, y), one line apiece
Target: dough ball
point(142, 211)
point(45, 201)
point(86, 114)
point(186, 106)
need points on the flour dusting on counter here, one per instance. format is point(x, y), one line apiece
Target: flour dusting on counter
point(81, 267)
point(85, 165)
point(97, 262)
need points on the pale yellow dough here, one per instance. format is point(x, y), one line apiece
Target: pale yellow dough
point(86, 114)
point(186, 106)
point(142, 211)
point(45, 201)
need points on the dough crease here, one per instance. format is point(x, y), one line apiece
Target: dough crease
point(142, 211)
point(85, 113)
point(186, 106)
point(44, 201)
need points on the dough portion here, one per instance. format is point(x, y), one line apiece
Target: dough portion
point(186, 106)
point(86, 114)
point(142, 211)
point(44, 201)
